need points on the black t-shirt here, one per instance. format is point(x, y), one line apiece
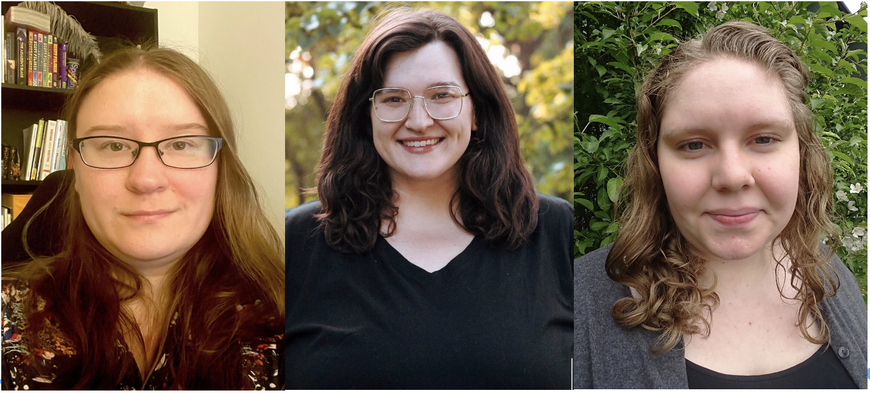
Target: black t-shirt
point(489, 319)
point(821, 371)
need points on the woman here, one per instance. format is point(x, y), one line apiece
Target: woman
point(171, 275)
point(428, 261)
point(717, 279)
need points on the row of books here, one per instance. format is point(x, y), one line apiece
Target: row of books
point(45, 149)
point(37, 59)
point(32, 55)
point(5, 217)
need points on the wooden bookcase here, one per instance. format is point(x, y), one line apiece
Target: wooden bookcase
point(114, 25)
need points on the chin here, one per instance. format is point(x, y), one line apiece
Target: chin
point(735, 250)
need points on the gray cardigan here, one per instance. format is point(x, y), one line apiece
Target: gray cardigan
point(607, 355)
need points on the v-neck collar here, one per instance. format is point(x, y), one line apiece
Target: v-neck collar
point(384, 250)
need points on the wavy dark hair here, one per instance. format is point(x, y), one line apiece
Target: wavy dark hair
point(238, 261)
point(650, 254)
point(496, 196)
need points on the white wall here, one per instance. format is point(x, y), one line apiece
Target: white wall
point(241, 44)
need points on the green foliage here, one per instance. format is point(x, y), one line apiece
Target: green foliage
point(322, 36)
point(617, 44)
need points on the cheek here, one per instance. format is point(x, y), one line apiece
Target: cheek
point(683, 184)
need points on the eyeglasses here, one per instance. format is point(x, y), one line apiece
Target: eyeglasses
point(393, 104)
point(112, 152)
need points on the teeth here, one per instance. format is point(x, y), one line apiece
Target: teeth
point(420, 143)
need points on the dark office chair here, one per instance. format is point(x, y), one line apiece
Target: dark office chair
point(46, 232)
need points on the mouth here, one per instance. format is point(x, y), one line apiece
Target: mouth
point(147, 215)
point(421, 142)
point(734, 218)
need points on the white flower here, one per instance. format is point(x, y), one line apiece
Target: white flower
point(721, 14)
point(852, 206)
point(841, 195)
point(711, 6)
point(858, 232)
point(855, 188)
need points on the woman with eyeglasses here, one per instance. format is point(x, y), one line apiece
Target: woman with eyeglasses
point(170, 276)
point(429, 261)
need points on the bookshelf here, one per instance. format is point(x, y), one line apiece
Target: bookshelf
point(115, 25)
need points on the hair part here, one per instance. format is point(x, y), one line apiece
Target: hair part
point(652, 257)
point(496, 197)
point(238, 261)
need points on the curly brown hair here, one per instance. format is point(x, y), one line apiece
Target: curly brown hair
point(653, 258)
point(496, 196)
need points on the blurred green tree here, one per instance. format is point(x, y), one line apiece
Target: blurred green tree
point(530, 44)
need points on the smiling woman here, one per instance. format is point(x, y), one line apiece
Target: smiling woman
point(717, 278)
point(170, 275)
point(429, 261)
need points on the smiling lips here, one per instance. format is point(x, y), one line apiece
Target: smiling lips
point(737, 218)
point(148, 215)
point(420, 142)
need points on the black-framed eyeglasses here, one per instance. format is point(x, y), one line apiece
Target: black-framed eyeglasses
point(112, 152)
point(393, 104)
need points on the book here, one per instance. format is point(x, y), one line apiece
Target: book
point(47, 148)
point(58, 146)
point(17, 15)
point(40, 50)
point(49, 76)
point(31, 49)
point(29, 145)
point(37, 149)
point(54, 79)
point(9, 71)
point(62, 146)
point(61, 65)
point(21, 58)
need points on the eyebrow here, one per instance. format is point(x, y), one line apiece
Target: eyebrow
point(119, 128)
point(764, 124)
point(433, 84)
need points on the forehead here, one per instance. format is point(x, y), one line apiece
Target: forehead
point(138, 101)
point(432, 64)
point(726, 93)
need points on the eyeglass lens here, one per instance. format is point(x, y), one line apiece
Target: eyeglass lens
point(441, 102)
point(182, 152)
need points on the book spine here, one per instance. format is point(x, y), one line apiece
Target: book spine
point(58, 143)
point(21, 39)
point(30, 53)
point(46, 70)
point(61, 65)
point(29, 136)
point(60, 156)
point(49, 74)
point(10, 72)
point(47, 149)
point(38, 150)
point(54, 79)
point(40, 50)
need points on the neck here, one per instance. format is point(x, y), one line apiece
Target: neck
point(747, 277)
point(425, 195)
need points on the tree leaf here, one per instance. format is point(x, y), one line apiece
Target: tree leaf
point(605, 120)
point(670, 22)
point(613, 186)
point(689, 6)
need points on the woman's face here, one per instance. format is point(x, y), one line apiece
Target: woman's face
point(148, 214)
point(420, 148)
point(729, 159)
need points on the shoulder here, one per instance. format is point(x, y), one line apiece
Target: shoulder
point(846, 316)
point(301, 219)
point(554, 208)
point(590, 273)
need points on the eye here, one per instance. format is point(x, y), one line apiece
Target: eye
point(114, 146)
point(693, 146)
point(179, 145)
point(764, 140)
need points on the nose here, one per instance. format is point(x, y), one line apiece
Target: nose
point(418, 119)
point(733, 170)
point(147, 174)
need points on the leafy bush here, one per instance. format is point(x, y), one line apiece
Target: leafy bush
point(617, 44)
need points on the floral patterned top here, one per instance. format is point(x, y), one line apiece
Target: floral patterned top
point(38, 363)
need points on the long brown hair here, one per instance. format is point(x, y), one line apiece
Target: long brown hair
point(496, 195)
point(237, 262)
point(652, 257)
